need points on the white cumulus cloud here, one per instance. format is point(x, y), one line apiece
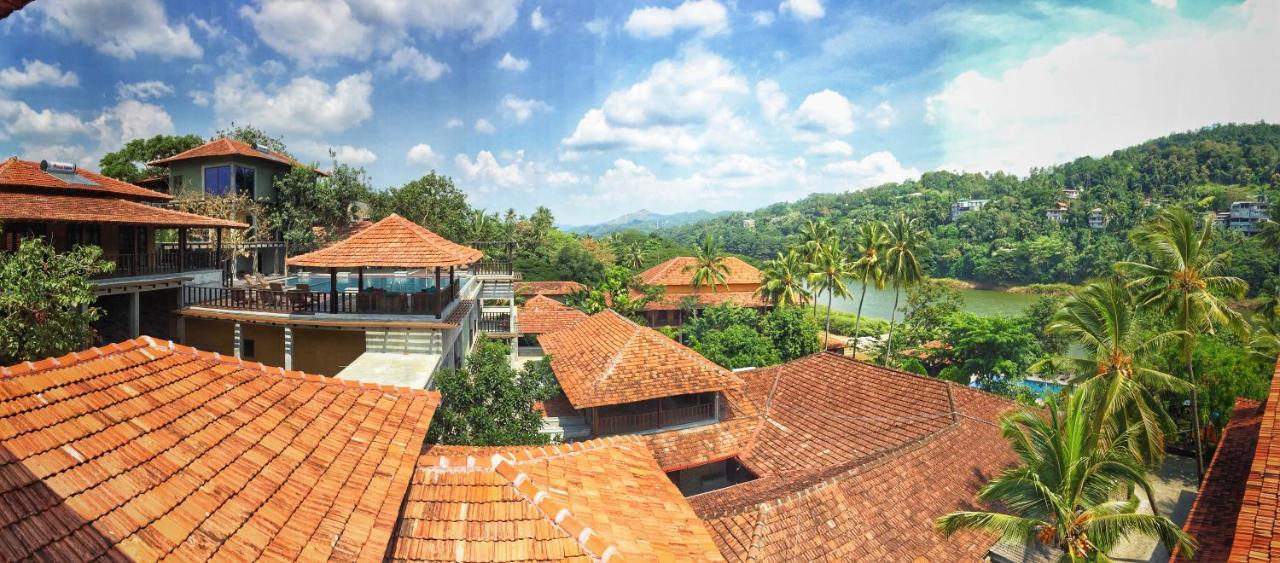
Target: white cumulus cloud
point(304, 105)
point(883, 115)
point(804, 10)
point(417, 64)
point(345, 154)
point(538, 22)
point(453, 123)
point(485, 173)
point(827, 111)
point(422, 155)
point(522, 109)
point(513, 63)
point(20, 121)
point(1052, 107)
point(145, 90)
point(708, 16)
point(484, 126)
point(871, 170)
point(122, 30)
point(830, 148)
point(762, 17)
point(37, 73)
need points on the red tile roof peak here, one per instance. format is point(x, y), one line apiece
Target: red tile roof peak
point(19, 173)
point(392, 242)
point(678, 271)
point(80, 208)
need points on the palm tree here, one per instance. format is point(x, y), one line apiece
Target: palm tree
point(815, 237)
point(869, 241)
point(1183, 279)
point(828, 274)
point(783, 280)
point(1102, 319)
point(903, 262)
point(633, 255)
point(708, 265)
point(1063, 492)
point(1269, 234)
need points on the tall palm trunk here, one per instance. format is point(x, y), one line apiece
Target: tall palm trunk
point(826, 334)
point(857, 323)
point(1187, 343)
point(893, 315)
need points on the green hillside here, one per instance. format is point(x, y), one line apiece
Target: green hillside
point(1012, 241)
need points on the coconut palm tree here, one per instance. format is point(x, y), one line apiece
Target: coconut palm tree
point(783, 280)
point(1269, 235)
point(709, 267)
point(828, 273)
point(1064, 492)
point(1110, 357)
point(815, 237)
point(903, 262)
point(633, 255)
point(1183, 278)
point(869, 241)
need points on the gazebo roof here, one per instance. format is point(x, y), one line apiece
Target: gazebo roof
point(390, 243)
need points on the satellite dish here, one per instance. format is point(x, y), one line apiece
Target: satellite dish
point(358, 211)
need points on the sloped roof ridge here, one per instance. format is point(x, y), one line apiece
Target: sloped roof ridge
point(67, 360)
point(557, 513)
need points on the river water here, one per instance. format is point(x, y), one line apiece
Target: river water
point(978, 301)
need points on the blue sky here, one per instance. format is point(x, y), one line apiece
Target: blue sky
point(598, 109)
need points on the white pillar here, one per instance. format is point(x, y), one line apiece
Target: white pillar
point(288, 347)
point(237, 342)
point(181, 336)
point(135, 315)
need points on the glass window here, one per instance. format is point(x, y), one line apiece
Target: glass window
point(217, 180)
point(83, 235)
point(244, 181)
point(176, 188)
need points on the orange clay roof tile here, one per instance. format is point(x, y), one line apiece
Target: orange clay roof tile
point(18, 173)
point(548, 287)
point(541, 314)
point(225, 147)
point(606, 359)
point(707, 298)
point(46, 207)
point(601, 500)
point(146, 449)
point(390, 243)
point(679, 271)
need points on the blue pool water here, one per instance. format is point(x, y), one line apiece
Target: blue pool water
point(392, 284)
point(1042, 388)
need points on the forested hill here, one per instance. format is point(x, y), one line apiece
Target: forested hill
point(1012, 241)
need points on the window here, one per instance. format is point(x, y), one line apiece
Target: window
point(249, 349)
point(176, 186)
point(217, 180)
point(83, 235)
point(244, 181)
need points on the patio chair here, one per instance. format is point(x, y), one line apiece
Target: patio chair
point(274, 295)
point(239, 297)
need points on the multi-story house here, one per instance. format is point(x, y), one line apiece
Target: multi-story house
point(1097, 219)
point(1057, 213)
point(1247, 216)
point(69, 206)
point(393, 303)
point(961, 208)
point(682, 297)
point(225, 166)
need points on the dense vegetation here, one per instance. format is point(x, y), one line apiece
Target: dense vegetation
point(46, 308)
point(1011, 241)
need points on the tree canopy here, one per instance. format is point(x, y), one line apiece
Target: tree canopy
point(130, 162)
point(46, 307)
point(487, 403)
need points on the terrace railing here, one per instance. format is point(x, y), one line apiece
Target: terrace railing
point(162, 262)
point(309, 302)
point(652, 420)
point(496, 323)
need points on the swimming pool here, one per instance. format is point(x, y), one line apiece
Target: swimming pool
point(1042, 388)
point(389, 283)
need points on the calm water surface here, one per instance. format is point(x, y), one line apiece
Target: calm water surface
point(977, 301)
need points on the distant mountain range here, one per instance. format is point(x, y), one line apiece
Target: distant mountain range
point(644, 221)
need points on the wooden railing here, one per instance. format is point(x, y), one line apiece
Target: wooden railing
point(496, 322)
point(652, 420)
point(294, 301)
point(493, 267)
point(162, 262)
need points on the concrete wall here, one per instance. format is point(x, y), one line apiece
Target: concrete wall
point(326, 352)
point(210, 336)
point(268, 343)
point(404, 341)
point(192, 172)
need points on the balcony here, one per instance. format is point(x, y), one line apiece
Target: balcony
point(658, 414)
point(162, 262)
point(496, 323)
point(498, 259)
point(302, 301)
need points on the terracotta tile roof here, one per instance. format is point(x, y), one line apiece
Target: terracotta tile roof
point(9, 6)
point(542, 314)
point(1212, 521)
point(837, 442)
point(23, 206)
point(17, 173)
point(673, 272)
point(226, 147)
point(599, 500)
point(708, 298)
point(390, 243)
point(700, 445)
point(548, 287)
point(146, 449)
point(606, 359)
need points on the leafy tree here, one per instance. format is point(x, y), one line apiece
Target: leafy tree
point(869, 242)
point(828, 272)
point(737, 346)
point(432, 201)
point(46, 307)
point(130, 162)
point(304, 201)
point(1115, 358)
point(709, 267)
point(1064, 492)
point(486, 403)
point(996, 349)
point(783, 280)
point(576, 264)
point(1226, 369)
point(929, 306)
point(719, 317)
point(1039, 315)
point(253, 136)
point(1184, 278)
point(903, 262)
point(793, 331)
point(620, 290)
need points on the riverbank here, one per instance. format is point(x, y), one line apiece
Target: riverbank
point(1031, 289)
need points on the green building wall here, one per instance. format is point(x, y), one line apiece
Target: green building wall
point(192, 173)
